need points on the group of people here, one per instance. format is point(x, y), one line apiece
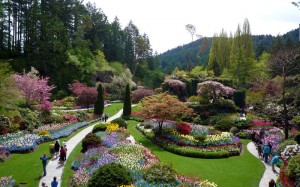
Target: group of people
point(103, 117)
point(265, 151)
point(54, 183)
point(58, 150)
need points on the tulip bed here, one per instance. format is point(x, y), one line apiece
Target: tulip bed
point(133, 156)
point(213, 146)
point(24, 141)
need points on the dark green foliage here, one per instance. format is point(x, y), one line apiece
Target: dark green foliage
point(234, 130)
point(239, 98)
point(99, 104)
point(297, 137)
point(99, 127)
point(224, 125)
point(293, 168)
point(283, 145)
point(200, 138)
point(127, 102)
point(243, 135)
point(90, 140)
point(110, 175)
point(121, 122)
point(160, 173)
point(296, 121)
point(243, 124)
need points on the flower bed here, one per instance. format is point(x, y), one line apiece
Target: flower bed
point(7, 181)
point(212, 146)
point(24, 142)
point(20, 141)
point(133, 156)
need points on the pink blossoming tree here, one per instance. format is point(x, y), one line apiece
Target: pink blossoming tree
point(34, 89)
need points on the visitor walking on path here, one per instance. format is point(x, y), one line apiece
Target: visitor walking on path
point(266, 152)
point(275, 160)
point(56, 148)
point(54, 183)
point(56, 169)
point(44, 162)
point(268, 174)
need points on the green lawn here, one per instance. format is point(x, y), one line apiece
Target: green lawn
point(245, 170)
point(27, 168)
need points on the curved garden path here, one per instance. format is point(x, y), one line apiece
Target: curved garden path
point(54, 169)
point(268, 174)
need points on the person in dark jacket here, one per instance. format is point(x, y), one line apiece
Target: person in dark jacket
point(44, 162)
point(56, 148)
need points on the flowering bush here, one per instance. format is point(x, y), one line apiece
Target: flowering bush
point(290, 151)
point(80, 177)
point(206, 183)
point(184, 128)
point(139, 94)
point(44, 133)
point(70, 118)
point(111, 127)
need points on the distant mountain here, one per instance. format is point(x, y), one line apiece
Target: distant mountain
point(198, 51)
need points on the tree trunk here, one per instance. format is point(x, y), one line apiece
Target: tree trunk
point(285, 117)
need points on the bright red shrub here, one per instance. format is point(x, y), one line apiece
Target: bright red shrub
point(184, 128)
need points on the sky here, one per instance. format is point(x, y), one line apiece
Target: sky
point(164, 21)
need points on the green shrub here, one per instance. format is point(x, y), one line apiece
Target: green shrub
point(127, 102)
point(234, 130)
point(121, 122)
point(160, 173)
point(224, 125)
point(297, 137)
point(99, 103)
point(81, 115)
point(200, 138)
point(90, 140)
point(99, 127)
point(111, 175)
point(243, 135)
point(226, 104)
point(243, 124)
point(296, 120)
point(293, 168)
point(283, 145)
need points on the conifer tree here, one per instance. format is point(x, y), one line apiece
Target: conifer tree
point(99, 104)
point(127, 103)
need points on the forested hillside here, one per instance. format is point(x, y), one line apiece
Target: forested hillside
point(67, 41)
point(197, 52)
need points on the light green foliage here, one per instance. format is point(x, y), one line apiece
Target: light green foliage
point(160, 173)
point(118, 67)
point(198, 71)
point(259, 71)
point(9, 95)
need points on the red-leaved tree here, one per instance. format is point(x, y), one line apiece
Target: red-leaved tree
point(86, 96)
point(34, 89)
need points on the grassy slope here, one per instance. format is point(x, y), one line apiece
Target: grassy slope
point(23, 167)
point(239, 171)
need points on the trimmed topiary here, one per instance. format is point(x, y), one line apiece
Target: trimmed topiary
point(99, 103)
point(239, 98)
point(127, 103)
point(121, 122)
point(183, 128)
point(111, 175)
point(90, 140)
point(160, 173)
point(99, 127)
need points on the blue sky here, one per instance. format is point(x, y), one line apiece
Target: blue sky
point(164, 20)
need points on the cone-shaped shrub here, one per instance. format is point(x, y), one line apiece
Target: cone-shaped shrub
point(99, 104)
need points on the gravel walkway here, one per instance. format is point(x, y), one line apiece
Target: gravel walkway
point(268, 174)
point(54, 169)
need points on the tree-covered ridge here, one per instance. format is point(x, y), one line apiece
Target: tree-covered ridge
point(199, 49)
point(67, 40)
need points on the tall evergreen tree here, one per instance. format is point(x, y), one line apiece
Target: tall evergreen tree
point(127, 103)
point(99, 104)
